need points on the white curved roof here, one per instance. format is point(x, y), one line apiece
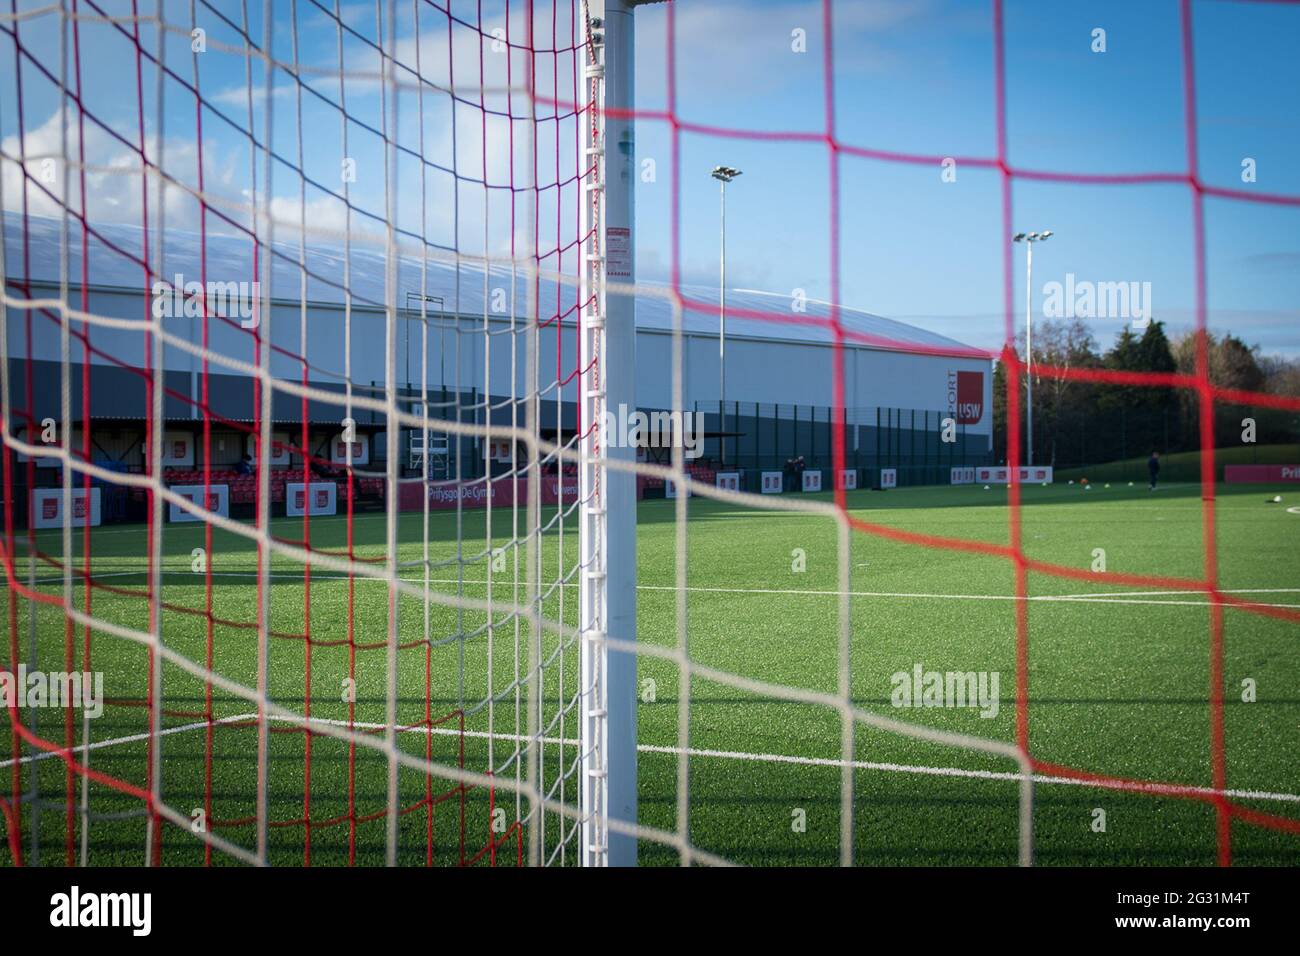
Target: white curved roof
point(115, 252)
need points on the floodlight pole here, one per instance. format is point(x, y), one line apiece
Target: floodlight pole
point(1029, 354)
point(722, 325)
point(724, 175)
point(1029, 238)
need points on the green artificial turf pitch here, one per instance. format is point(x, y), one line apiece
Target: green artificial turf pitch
point(1118, 685)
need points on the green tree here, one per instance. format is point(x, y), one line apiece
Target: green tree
point(1232, 364)
point(1124, 356)
point(1061, 404)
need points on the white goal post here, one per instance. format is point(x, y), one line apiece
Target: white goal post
point(608, 520)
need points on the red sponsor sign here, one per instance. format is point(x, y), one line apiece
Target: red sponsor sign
point(1260, 474)
point(50, 508)
point(214, 500)
point(477, 494)
point(299, 499)
point(970, 397)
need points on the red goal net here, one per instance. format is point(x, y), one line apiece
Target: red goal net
point(298, 437)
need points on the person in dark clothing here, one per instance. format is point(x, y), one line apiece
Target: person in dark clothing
point(245, 466)
point(1153, 468)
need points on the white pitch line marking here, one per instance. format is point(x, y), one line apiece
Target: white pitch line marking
point(1105, 597)
point(836, 762)
point(133, 738)
point(1170, 789)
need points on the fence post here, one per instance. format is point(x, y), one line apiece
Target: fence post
point(776, 431)
point(896, 432)
point(812, 432)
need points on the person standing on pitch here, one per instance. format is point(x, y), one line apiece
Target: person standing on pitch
point(1153, 468)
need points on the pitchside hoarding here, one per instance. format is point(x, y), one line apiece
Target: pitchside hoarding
point(501, 493)
point(218, 501)
point(728, 479)
point(48, 507)
point(812, 480)
point(773, 482)
point(963, 476)
point(1260, 474)
point(888, 477)
point(1000, 474)
point(670, 489)
point(321, 497)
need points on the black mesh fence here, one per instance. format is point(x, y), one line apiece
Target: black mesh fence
point(1120, 438)
point(922, 445)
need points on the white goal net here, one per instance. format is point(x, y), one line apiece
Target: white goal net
point(317, 317)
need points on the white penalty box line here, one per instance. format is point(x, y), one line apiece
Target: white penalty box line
point(1105, 597)
point(1158, 789)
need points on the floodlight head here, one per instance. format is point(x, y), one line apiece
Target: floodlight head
point(1018, 237)
point(1045, 234)
point(725, 173)
point(1033, 236)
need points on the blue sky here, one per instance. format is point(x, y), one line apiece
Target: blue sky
point(910, 76)
point(918, 77)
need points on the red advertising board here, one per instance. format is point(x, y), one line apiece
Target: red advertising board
point(476, 494)
point(1260, 474)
